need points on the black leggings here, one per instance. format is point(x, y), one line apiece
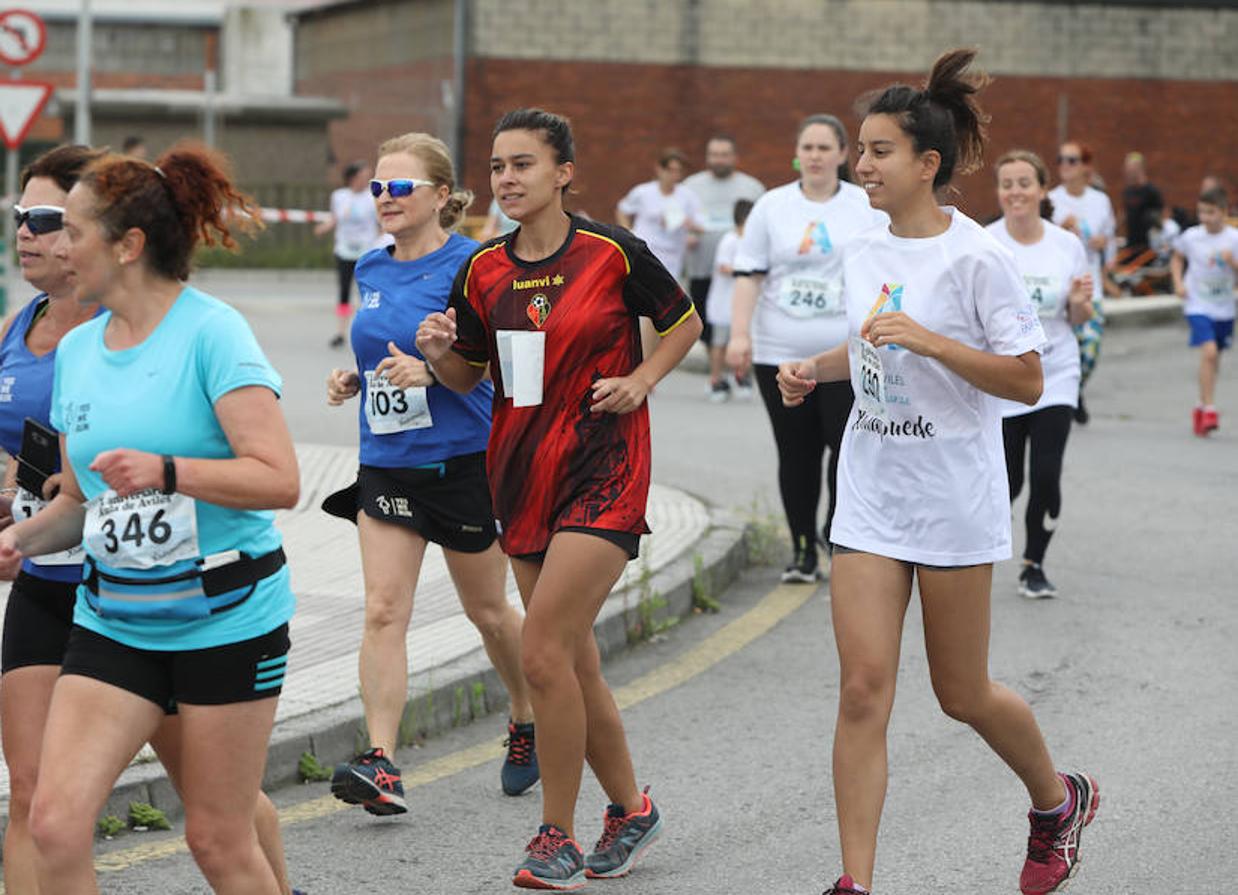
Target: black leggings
point(344, 271)
point(1047, 430)
point(802, 434)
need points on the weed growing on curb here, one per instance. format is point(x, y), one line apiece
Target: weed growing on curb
point(702, 600)
point(764, 534)
point(478, 699)
point(311, 770)
point(110, 825)
point(143, 816)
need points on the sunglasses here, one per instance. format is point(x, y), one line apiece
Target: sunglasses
point(1068, 159)
point(397, 188)
point(39, 219)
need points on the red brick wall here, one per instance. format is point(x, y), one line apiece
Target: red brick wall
point(623, 114)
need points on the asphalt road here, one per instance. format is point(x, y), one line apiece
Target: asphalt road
point(1131, 672)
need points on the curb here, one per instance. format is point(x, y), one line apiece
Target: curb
point(468, 689)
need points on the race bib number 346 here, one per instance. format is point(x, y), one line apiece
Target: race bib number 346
point(142, 531)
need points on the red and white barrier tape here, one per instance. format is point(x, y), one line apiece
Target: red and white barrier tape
point(294, 216)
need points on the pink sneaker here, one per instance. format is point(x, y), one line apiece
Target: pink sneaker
point(845, 886)
point(1211, 420)
point(1053, 845)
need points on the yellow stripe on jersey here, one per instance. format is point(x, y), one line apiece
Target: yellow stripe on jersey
point(666, 332)
point(474, 261)
point(627, 265)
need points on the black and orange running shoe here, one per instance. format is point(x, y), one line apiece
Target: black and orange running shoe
point(625, 839)
point(520, 769)
point(371, 781)
point(553, 860)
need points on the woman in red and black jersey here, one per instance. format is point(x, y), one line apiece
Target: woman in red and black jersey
point(553, 309)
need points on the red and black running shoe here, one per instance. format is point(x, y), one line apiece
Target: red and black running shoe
point(1053, 845)
point(372, 781)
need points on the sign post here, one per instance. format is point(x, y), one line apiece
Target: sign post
point(22, 39)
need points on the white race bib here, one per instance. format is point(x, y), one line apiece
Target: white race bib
point(1217, 289)
point(522, 365)
point(141, 531)
point(866, 369)
point(390, 409)
point(802, 296)
point(26, 505)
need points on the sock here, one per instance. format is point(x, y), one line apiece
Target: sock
point(1062, 808)
point(1208, 408)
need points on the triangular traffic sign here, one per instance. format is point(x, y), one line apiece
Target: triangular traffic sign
point(20, 104)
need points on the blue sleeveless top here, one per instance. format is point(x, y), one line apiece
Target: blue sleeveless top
point(26, 391)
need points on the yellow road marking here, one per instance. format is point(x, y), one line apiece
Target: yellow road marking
point(773, 608)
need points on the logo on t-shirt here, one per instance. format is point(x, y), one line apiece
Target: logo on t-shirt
point(6, 389)
point(890, 299)
point(816, 236)
point(371, 300)
point(538, 309)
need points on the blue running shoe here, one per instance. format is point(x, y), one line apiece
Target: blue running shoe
point(370, 780)
point(520, 767)
point(553, 861)
point(625, 839)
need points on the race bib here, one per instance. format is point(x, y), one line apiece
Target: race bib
point(390, 409)
point(1045, 296)
point(811, 296)
point(26, 505)
point(866, 370)
point(673, 216)
point(142, 531)
point(1217, 289)
point(522, 365)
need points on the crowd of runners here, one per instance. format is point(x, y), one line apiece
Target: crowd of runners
point(501, 392)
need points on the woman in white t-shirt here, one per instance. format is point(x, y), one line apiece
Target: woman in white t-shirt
point(1086, 212)
point(663, 212)
point(940, 328)
point(1055, 273)
point(788, 303)
point(355, 221)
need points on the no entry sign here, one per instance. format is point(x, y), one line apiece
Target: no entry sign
point(22, 37)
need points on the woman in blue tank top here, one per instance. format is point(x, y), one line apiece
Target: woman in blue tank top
point(423, 475)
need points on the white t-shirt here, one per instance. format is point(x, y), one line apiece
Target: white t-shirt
point(356, 223)
point(1209, 280)
point(718, 197)
point(722, 285)
point(1093, 213)
point(662, 221)
point(794, 242)
point(1047, 268)
point(924, 480)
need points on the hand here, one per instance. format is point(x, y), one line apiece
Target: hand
point(1071, 223)
point(403, 370)
point(342, 385)
point(6, 511)
point(1228, 257)
point(1180, 290)
point(436, 335)
point(127, 471)
point(739, 353)
point(10, 555)
point(1098, 242)
point(622, 394)
point(795, 380)
point(896, 328)
point(1081, 289)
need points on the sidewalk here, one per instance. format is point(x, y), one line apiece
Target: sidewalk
point(452, 681)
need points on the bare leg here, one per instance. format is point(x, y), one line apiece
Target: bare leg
point(25, 695)
point(956, 635)
point(1209, 365)
point(481, 580)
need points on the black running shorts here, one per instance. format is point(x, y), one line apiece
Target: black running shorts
point(447, 503)
point(624, 540)
point(37, 621)
point(219, 675)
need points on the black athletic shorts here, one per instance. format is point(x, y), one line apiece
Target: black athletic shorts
point(624, 540)
point(836, 549)
point(447, 503)
point(37, 622)
point(219, 675)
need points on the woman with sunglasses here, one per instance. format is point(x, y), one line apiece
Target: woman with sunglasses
point(185, 600)
point(1087, 213)
point(423, 469)
point(941, 327)
point(553, 309)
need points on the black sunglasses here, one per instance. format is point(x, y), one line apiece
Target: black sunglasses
point(39, 219)
point(1069, 159)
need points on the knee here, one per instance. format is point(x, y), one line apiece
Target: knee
point(960, 703)
point(384, 609)
point(488, 617)
point(865, 697)
point(21, 791)
point(61, 833)
point(217, 847)
point(544, 663)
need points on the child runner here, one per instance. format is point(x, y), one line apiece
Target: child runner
point(718, 307)
point(940, 324)
point(553, 308)
point(1054, 268)
point(1209, 251)
point(788, 303)
point(423, 469)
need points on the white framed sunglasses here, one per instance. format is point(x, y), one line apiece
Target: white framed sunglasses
point(397, 187)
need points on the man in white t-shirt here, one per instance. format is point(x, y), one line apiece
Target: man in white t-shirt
point(718, 188)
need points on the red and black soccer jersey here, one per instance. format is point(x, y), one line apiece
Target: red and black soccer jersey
point(557, 464)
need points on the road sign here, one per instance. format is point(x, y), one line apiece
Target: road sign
point(20, 104)
point(22, 37)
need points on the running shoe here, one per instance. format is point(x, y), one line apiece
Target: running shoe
point(1053, 845)
point(720, 391)
point(337, 341)
point(1033, 584)
point(743, 388)
point(804, 569)
point(520, 767)
point(1081, 412)
point(625, 839)
point(845, 886)
point(1211, 420)
point(553, 860)
point(370, 780)
point(1197, 421)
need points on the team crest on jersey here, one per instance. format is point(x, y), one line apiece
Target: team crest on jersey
point(538, 309)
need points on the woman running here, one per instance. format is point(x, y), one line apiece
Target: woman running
point(940, 324)
point(1086, 212)
point(1055, 271)
point(423, 469)
point(356, 231)
point(173, 449)
point(789, 271)
point(553, 308)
